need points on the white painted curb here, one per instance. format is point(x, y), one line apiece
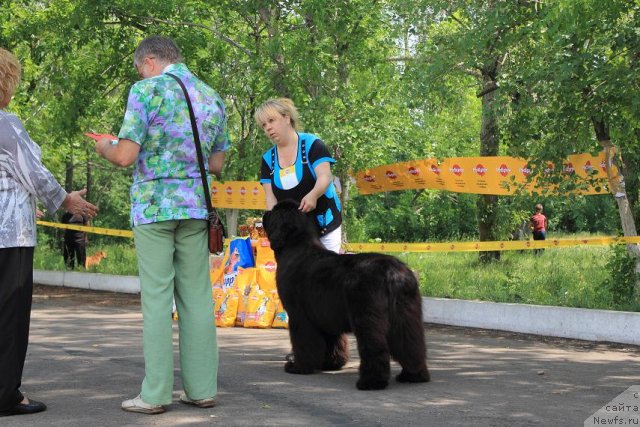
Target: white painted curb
point(94, 281)
point(565, 322)
point(577, 323)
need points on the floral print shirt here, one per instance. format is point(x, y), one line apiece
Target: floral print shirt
point(23, 178)
point(166, 178)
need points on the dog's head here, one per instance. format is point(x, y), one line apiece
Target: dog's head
point(287, 226)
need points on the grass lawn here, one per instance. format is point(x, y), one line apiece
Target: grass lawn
point(121, 259)
point(570, 277)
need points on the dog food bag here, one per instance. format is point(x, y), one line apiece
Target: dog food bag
point(226, 307)
point(267, 276)
point(246, 277)
point(281, 318)
point(243, 300)
point(216, 263)
point(261, 308)
point(264, 253)
point(221, 265)
point(245, 280)
point(241, 254)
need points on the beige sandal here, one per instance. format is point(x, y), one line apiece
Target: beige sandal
point(200, 403)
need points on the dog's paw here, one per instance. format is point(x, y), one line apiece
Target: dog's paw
point(332, 366)
point(372, 384)
point(295, 368)
point(420, 377)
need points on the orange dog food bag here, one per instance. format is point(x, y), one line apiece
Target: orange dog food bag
point(226, 307)
point(281, 318)
point(261, 308)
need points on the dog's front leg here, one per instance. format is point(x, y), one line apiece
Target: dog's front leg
point(309, 347)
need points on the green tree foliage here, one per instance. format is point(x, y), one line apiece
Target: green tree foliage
point(380, 81)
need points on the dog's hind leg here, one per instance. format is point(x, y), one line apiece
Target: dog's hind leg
point(407, 342)
point(337, 353)
point(370, 326)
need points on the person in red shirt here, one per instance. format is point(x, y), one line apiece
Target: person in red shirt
point(539, 225)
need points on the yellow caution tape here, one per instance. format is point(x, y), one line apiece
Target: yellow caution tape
point(510, 245)
point(94, 230)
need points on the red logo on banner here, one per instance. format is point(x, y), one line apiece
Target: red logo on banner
point(588, 167)
point(525, 170)
point(414, 171)
point(229, 190)
point(550, 168)
point(214, 190)
point(603, 166)
point(480, 170)
point(391, 175)
point(243, 191)
point(456, 170)
point(435, 169)
point(504, 170)
point(270, 266)
point(568, 168)
point(369, 178)
point(255, 191)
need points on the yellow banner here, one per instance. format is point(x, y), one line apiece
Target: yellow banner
point(478, 175)
point(238, 195)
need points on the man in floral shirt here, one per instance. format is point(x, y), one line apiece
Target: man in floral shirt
point(168, 216)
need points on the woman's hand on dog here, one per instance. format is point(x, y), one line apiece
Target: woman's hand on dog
point(308, 203)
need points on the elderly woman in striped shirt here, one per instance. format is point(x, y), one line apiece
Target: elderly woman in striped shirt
point(23, 179)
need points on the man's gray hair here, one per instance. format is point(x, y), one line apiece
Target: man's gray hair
point(163, 48)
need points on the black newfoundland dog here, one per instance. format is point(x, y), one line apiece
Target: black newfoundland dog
point(375, 296)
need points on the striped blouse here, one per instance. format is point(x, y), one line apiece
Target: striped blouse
point(23, 178)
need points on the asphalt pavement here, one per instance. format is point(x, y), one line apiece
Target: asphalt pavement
point(85, 357)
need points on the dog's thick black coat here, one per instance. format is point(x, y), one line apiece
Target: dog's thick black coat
point(326, 295)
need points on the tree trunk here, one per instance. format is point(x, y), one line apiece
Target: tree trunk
point(68, 175)
point(615, 176)
point(89, 183)
point(345, 183)
point(232, 221)
point(489, 145)
point(632, 174)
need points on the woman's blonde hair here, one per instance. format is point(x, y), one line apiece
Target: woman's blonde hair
point(282, 106)
point(9, 74)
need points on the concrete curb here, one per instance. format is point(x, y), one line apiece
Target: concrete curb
point(577, 323)
point(564, 322)
point(93, 281)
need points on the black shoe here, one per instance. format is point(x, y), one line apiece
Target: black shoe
point(25, 408)
point(290, 357)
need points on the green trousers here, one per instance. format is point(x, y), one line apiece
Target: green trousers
point(173, 261)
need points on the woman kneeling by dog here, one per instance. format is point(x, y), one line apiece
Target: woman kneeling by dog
point(298, 167)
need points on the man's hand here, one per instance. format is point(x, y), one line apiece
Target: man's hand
point(76, 204)
point(101, 145)
point(39, 213)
